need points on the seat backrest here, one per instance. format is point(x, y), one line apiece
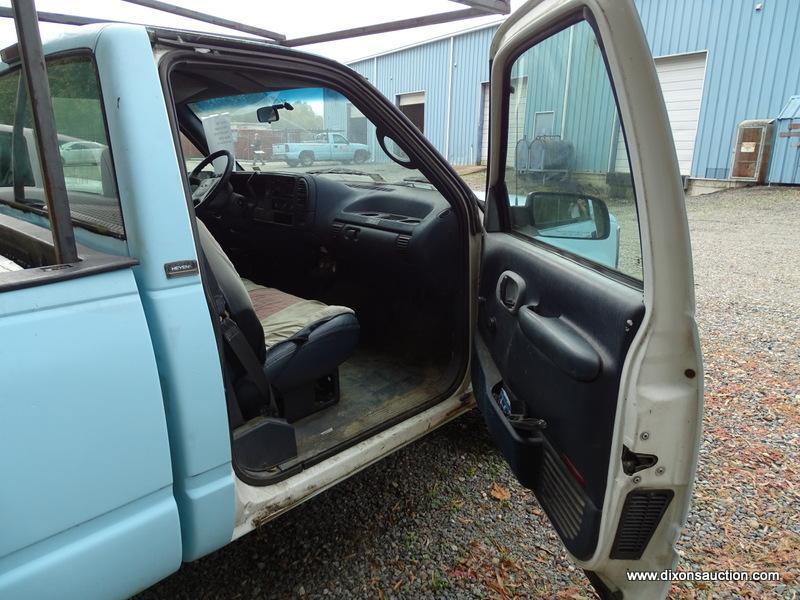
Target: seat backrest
point(236, 296)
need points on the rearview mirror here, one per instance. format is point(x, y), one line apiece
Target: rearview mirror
point(565, 215)
point(267, 114)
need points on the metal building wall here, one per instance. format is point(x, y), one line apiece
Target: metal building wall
point(784, 165)
point(424, 68)
point(753, 63)
point(752, 70)
point(470, 70)
point(417, 69)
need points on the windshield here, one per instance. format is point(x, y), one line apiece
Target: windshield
point(317, 131)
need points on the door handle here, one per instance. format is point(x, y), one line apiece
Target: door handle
point(561, 343)
point(510, 291)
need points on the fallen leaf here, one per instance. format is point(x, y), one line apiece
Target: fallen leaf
point(498, 492)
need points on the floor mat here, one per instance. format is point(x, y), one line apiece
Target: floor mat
point(374, 388)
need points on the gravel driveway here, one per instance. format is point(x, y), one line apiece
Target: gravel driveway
point(444, 518)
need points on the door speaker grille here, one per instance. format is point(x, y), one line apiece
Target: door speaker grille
point(641, 515)
point(562, 496)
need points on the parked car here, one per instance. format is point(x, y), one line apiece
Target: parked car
point(325, 147)
point(81, 152)
point(229, 344)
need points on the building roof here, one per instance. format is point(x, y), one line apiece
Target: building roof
point(792, 109)
point(438, 38)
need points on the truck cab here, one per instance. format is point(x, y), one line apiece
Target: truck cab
point(232, 341)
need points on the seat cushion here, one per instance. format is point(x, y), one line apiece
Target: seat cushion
point(283, 315)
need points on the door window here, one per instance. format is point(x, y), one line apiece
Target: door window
point(83, 145)
point(567, 171)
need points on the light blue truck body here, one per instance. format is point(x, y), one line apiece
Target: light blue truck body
point(125, 470)
point(325, 147)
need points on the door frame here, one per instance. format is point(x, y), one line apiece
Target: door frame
point(376, 108)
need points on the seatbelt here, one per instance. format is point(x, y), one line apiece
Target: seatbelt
point(235, 340)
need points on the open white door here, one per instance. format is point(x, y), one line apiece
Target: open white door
point(586, 362)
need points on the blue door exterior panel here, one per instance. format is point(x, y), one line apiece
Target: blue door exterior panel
point(82, 430)
point(96, 424)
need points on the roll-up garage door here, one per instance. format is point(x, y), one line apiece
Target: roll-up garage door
point(681, 79)
point(516, 127)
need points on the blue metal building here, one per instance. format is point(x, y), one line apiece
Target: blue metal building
point(785, 162)
point(719, 62)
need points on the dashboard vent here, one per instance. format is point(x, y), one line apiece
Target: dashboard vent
point(402, 242)
point(336, 229)
point(370, 186)
point(301, 188)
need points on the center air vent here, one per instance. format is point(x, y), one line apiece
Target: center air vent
point(336, 229)
point(300, 191)
point(402, 242)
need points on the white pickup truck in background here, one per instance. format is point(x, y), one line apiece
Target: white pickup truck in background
point(325, 147)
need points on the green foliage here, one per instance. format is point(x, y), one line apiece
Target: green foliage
point(75, 95)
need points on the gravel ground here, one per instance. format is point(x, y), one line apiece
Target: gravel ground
point(444, 518)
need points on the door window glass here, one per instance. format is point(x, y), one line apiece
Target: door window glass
point(567, 170)
point(83, 145)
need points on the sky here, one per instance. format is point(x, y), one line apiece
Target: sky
point(294, 19)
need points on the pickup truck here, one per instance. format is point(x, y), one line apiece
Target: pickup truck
point(325, 147)
point(189, 353)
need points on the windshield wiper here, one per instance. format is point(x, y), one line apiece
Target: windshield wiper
point(337, 171)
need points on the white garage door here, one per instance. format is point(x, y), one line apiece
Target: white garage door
point(518, 103)
point(681, 80)
point(485, 123)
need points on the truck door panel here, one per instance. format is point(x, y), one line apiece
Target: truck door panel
point(587, 368)
point(87, 479)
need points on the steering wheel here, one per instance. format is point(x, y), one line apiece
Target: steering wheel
point(209, 188)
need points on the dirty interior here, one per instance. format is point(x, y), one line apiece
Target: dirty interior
point(349, 265)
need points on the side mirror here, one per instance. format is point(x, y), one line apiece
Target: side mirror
point(567, 215)
point(267, 114)
point(394, 151)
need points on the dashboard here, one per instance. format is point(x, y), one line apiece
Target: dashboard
point(374, 223)
point(275, 198)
